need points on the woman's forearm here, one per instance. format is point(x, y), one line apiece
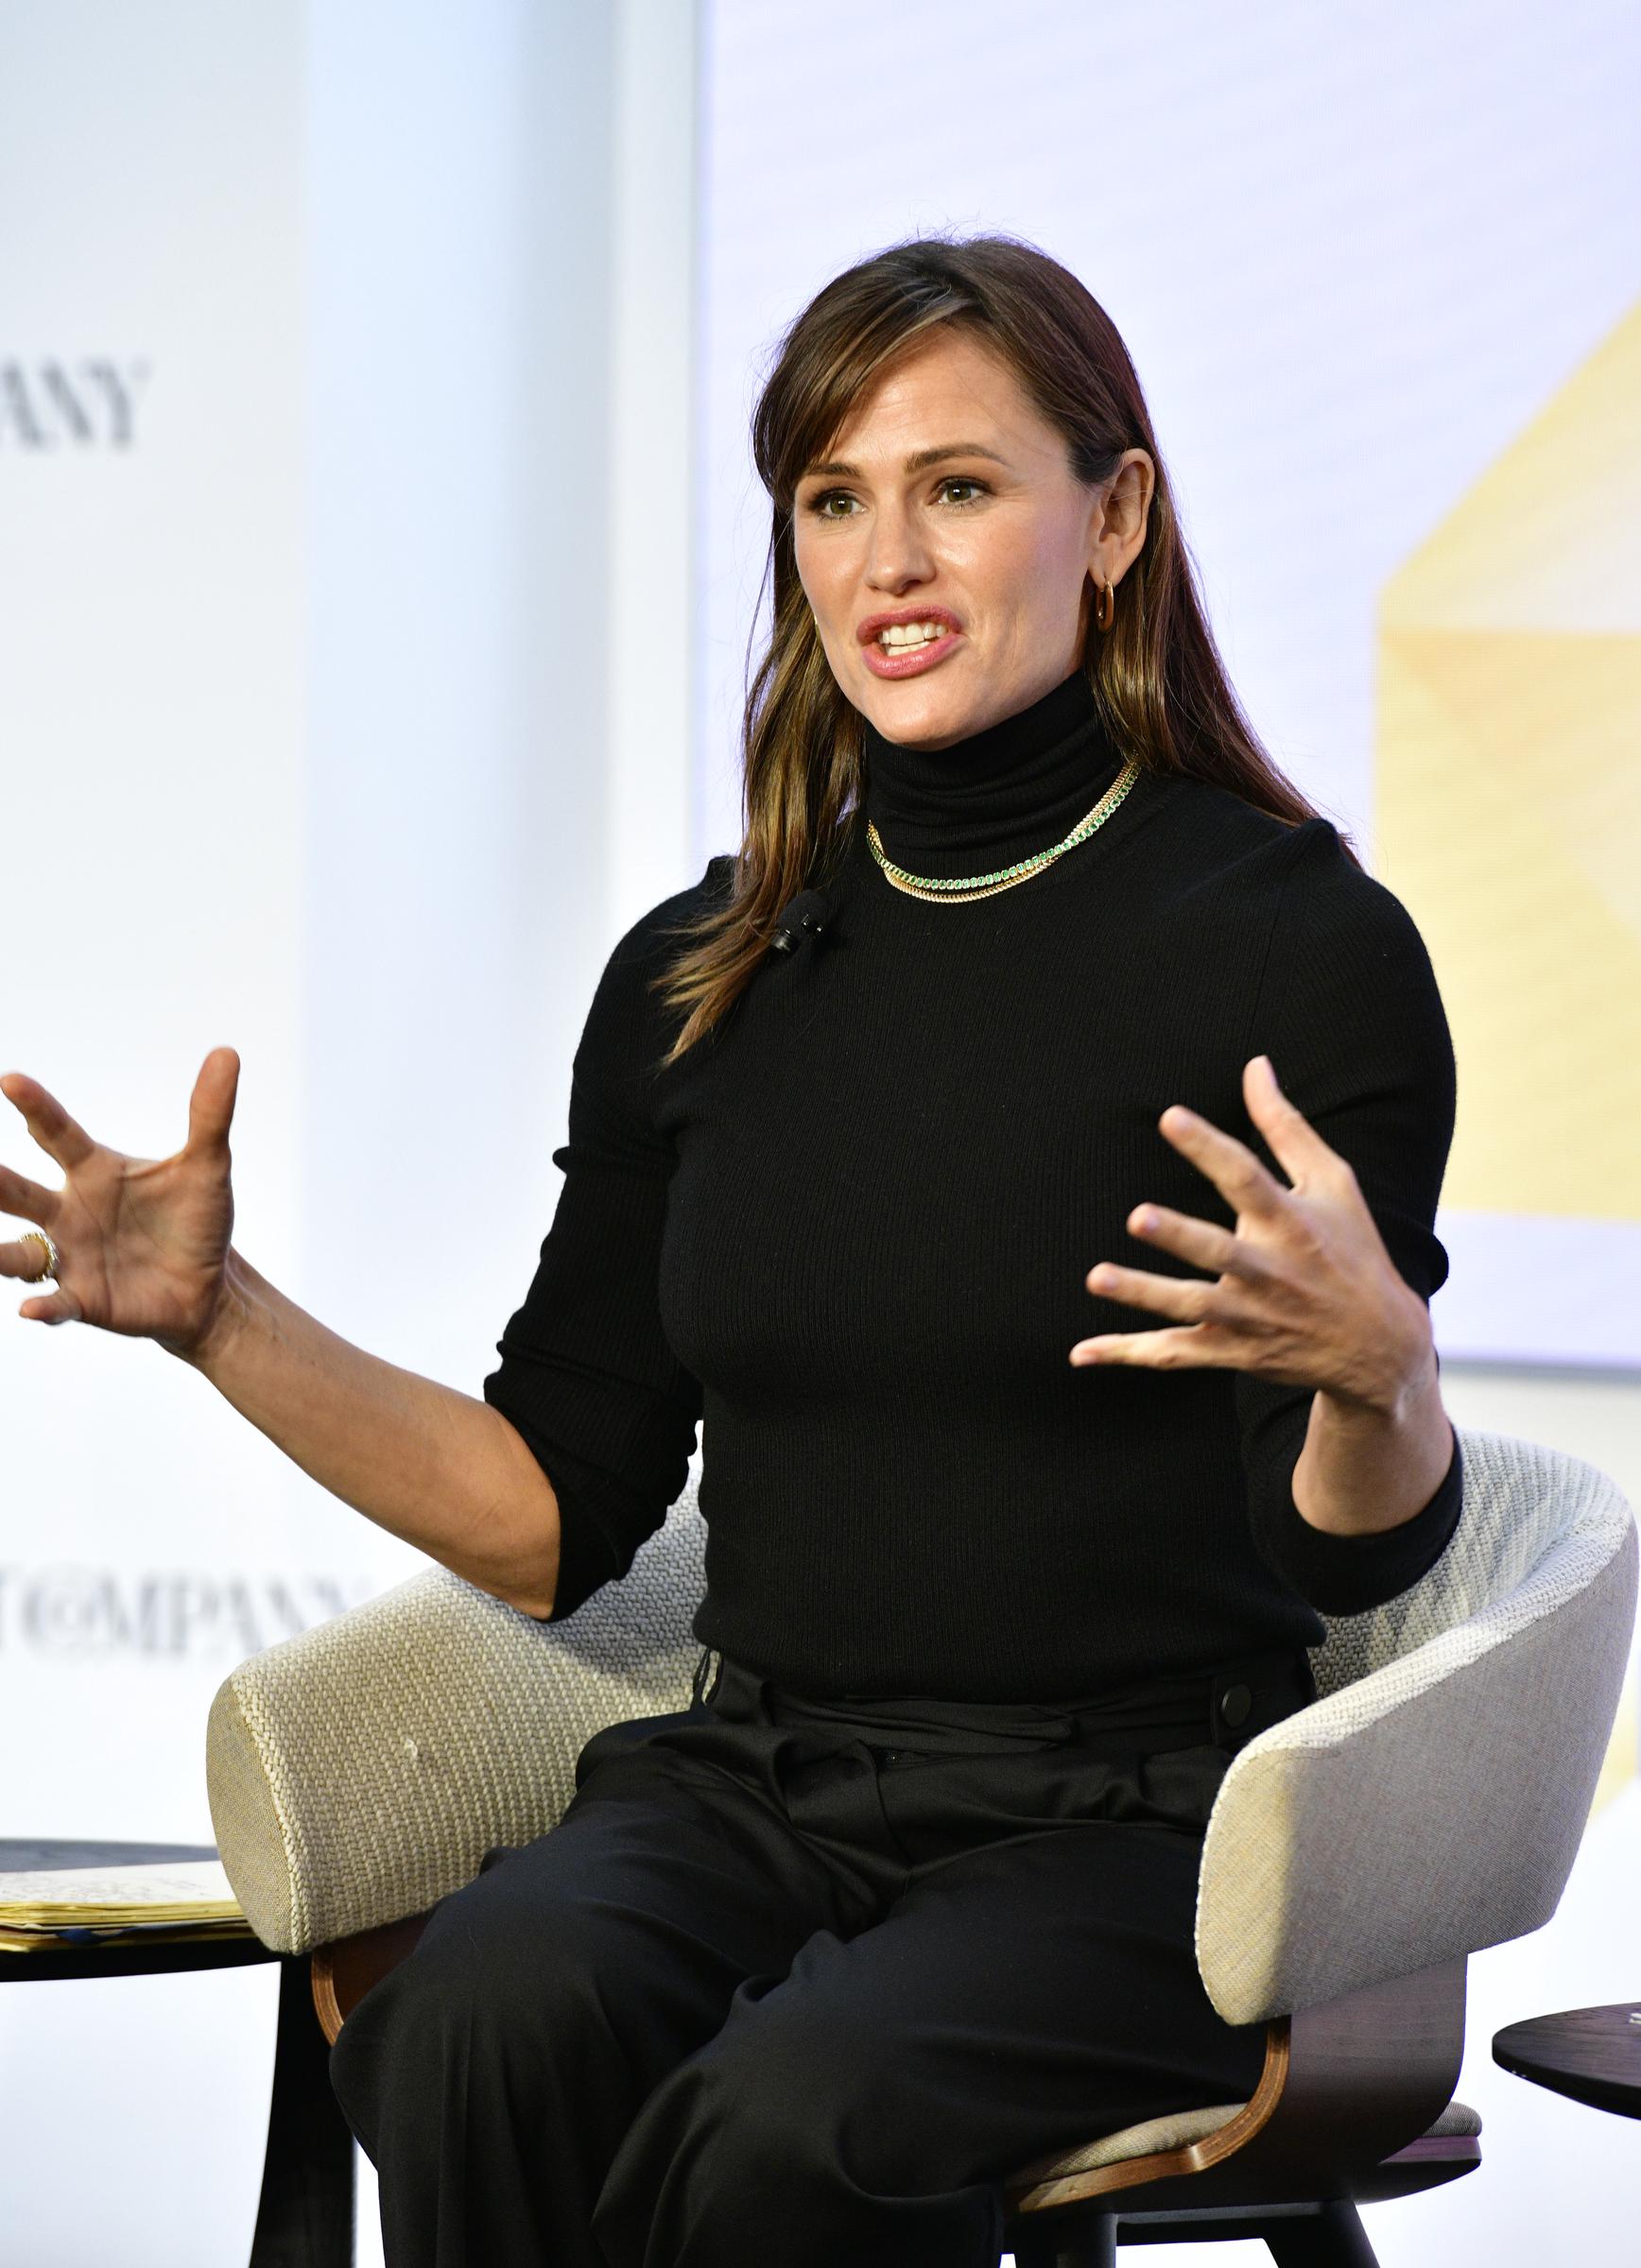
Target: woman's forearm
point(434, 1466)
point(1367, 1467)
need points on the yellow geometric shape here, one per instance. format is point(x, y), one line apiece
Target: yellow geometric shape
point(1507, 817)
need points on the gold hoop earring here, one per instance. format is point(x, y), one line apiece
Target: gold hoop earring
point(1104, 604)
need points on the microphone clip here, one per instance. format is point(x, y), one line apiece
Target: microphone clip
point(801, 923)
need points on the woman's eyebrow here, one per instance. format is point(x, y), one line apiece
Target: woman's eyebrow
point(918, 463)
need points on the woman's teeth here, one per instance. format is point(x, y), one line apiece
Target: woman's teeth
point(913, 633)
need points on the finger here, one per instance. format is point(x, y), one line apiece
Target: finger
point(211, 1104)
point(1198, 1347)
point(1230, 1164)
point(1205, 1243)
point(57, 1134)
point(1182, 1297)
point(1295, 1144)
point(54, 1307)
point(22, 1200)
point(25, 1261)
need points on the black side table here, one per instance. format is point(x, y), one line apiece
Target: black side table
point(305, 2215)
point(1593, 2054)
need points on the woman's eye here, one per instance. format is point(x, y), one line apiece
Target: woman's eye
point(837, 503)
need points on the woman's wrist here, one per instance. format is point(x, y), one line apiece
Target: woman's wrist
point(230, 1316)
point(1369, 1466)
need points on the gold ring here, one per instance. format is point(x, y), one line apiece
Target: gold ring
point(53, 1267)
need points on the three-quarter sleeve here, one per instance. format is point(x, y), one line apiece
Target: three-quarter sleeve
point(586, 1373)
point(1349, 1012)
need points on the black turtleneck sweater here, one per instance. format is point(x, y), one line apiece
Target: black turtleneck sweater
point(848, 1233)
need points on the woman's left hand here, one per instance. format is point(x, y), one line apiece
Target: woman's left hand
point(1306, 1293)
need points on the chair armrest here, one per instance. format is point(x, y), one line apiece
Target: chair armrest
point(1435, 1806)
point(358, 1773)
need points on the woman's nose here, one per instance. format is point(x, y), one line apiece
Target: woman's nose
point(898, 554)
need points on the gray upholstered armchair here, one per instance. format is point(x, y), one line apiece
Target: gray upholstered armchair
point(1430, 1802)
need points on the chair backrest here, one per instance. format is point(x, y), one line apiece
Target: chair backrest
point(359, 1771)
point(637, 1630)
point(1537, 1526)
point(1432, 1799)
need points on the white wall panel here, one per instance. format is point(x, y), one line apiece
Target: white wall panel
point(151, 753)
point(655, 520)
point(151, 735)
point(304, 741)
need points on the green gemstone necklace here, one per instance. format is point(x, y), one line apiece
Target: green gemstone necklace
point(963, 890)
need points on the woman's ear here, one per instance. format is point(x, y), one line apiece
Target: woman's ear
point(1120, 521)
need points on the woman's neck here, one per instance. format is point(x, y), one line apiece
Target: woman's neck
point(999, 795)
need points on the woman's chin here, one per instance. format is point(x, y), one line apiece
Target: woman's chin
point(923, 712)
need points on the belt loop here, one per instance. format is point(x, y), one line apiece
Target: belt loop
point(702, 1691)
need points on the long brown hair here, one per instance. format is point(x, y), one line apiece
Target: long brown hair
point(1159, 684)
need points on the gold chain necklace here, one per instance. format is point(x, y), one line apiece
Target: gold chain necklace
point(964, 891)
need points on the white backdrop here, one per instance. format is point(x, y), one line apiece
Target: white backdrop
point(305, 718)
point(151, 593)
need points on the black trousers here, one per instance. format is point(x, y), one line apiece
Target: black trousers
point(798, 1985)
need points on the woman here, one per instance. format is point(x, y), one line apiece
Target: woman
point(906, 1897)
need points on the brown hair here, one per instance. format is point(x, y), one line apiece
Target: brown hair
point(1159, 684)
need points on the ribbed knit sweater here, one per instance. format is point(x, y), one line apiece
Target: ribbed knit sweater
point(847, 1233)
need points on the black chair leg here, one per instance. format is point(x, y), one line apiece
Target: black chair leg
point(1334, 2238)
point(305, 2215)
point(1095, 2247)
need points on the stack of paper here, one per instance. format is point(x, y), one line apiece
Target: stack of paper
point(186, 1898)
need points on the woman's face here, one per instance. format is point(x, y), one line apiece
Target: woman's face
point(948, 500)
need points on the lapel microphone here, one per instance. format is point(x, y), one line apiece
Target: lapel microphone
point(801, 923)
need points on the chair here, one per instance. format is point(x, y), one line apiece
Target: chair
point(1428, 1803)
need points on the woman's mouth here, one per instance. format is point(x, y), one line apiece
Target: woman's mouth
point(907, 649)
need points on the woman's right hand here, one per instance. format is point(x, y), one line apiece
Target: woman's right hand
point(142, 1243)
